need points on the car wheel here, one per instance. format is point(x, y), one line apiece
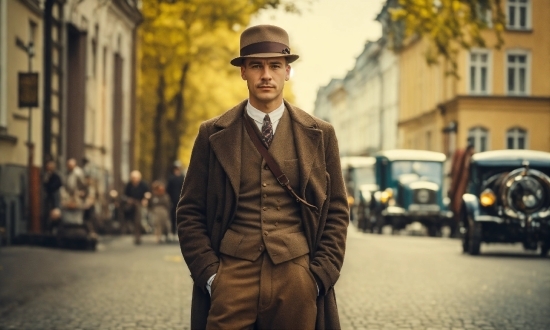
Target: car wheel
point(465, 240)
point(380, 223)
point(544, 248)
point(475, 232)
point(434, 231)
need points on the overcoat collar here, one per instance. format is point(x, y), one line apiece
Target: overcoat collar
point(226, 143)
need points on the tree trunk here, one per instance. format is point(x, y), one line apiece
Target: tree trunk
point(178, 126)
point(159, 162)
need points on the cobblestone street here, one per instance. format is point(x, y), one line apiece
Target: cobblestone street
point(388, 282)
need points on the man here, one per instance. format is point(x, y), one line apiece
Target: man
point(258, 258)
point(72, 194)
point(173, 188)
point(51, 183)
point(74, 183)
point(135, 194)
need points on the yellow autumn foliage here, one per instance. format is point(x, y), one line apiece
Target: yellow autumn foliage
point(184, 73)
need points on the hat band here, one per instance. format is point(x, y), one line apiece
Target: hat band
point(265, 47)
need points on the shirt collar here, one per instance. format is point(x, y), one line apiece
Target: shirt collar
point(258, 115)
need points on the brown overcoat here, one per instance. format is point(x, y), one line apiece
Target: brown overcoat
point(209, 199)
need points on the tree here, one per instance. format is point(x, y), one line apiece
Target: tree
point(450, 25)
point(185, 78)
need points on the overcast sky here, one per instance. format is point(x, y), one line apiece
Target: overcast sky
point(328, 37)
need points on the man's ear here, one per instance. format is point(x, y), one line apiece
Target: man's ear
point(242, 72)
point(287, 75)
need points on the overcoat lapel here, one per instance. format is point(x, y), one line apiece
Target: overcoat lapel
point(307, 138)
point(226, 144)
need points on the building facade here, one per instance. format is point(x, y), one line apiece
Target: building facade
point(21, 41)
point(85, 57)
point(502, 99)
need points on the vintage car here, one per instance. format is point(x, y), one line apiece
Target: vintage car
point(410, 190)
point(358, 174)
point(507, 200)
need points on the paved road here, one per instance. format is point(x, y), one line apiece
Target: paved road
point(388, 282)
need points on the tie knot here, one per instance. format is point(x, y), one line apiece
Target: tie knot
point(267, 131)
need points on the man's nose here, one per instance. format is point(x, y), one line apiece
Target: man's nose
point(266, 75)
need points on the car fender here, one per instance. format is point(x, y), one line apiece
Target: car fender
point(470, 204)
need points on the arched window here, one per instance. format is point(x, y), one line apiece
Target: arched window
point(478, 137)
point(516, 138)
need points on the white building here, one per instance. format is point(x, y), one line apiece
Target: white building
point(363, 106)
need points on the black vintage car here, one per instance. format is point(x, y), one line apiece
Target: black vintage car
point(507, 200)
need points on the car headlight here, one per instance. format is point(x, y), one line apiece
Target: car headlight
point(487, 198)
point(386, 195)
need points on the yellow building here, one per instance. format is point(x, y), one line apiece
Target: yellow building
point(502, 99)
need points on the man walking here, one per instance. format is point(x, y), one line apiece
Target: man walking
point(135, 196)
point(264, 251)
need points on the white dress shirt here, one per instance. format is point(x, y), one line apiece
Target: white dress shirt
point(258, 116)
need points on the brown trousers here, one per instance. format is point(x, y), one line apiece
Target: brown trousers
point(261, 295)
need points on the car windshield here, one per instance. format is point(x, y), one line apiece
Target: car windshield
point(364, 175)
point(429, 170)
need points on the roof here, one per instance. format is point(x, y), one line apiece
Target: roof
point(409, 154)
point(357, 162)
point(512, 157)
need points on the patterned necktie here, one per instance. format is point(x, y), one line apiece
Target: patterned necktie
point(267, 131)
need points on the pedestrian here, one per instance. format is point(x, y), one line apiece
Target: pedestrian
point(135, 197)
point(264, 251)
point(159, 209)
point(74, 180)
point(52, 183)
point(173, 188)
point(72, 195)
point(90, 199)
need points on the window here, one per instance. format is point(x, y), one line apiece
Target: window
point(516, 138)
point(478, 137)
point(519, 14)
point(479, 74)
point(517, 73)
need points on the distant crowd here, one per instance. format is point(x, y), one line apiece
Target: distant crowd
point(73, 199)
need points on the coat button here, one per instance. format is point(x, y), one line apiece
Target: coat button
point(278, 208)
point(265, 195)
point(265, 209)
point(264, 184)
point(266, 167)
point(266, 233)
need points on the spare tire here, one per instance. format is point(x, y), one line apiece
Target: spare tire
point(524, 192)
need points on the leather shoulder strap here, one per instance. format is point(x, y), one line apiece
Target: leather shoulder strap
point(272, 164)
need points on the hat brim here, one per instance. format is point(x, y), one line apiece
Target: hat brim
point(238, 61)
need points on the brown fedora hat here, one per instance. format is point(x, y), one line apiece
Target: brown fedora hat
point(264, 41)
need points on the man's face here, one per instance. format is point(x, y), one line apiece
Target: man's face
point(71, 164)
point(265, 78)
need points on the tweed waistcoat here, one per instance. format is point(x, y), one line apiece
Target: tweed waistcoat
point(267, 218)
